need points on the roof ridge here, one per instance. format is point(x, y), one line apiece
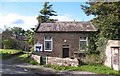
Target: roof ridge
point(73, 21)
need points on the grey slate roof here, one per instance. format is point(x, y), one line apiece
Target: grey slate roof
point(65, 27)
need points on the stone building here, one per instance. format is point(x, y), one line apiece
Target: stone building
point(62, 39)
point(23, 45)
point(113, 54)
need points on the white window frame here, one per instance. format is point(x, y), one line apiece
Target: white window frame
point(83, 40)
point(51, 43)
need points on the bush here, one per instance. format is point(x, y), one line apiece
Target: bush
point(102, 42)
point(92, 59)
point(32, 49)
point(33, 62)
point(10, 43)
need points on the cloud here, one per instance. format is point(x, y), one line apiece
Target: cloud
point(27, 22)
point(65, 17)
point(59, 0)
point(47, 0)
point(18, 21)
point(15, 20)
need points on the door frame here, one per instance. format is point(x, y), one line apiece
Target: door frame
point(65, 46)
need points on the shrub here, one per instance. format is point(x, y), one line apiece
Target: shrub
point(33, 62)
point(92, 59)
point(102, 42)
point(10, 43)
point(32, 49)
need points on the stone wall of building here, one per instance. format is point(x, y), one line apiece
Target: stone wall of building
point(59, 40)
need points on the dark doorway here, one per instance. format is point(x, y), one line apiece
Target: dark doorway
point(65, 52)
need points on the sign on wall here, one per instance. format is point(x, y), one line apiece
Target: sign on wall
point(38, 47)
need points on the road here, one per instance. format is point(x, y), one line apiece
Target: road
point(25, 69)
point(8, 68)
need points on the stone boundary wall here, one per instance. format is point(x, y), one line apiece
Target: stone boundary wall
point(36, 58)
point(62, 61)
point(56, 60)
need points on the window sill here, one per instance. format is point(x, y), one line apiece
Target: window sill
point(82, 50)
point(38, 51)
point(48, 50)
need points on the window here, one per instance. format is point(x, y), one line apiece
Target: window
point(83, 43)
point(48, 44)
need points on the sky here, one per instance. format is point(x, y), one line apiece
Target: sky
point(23, 14)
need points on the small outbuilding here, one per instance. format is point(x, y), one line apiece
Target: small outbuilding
point(113, 54)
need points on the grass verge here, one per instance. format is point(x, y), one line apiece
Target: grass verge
point(99, 69)
point(8, 53)
point(18, 55)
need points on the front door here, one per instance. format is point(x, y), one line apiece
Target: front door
point(65, 52)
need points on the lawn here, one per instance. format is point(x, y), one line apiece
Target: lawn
point(99, 69)
point(18, 55)
point(8, 53)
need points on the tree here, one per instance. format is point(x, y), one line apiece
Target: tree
point(107, 20)
point(30, 35)
point(17, 31)
point(10, 36)
point(92, 46)
point(9, 42)
point(45, 13)
point(6, 33)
